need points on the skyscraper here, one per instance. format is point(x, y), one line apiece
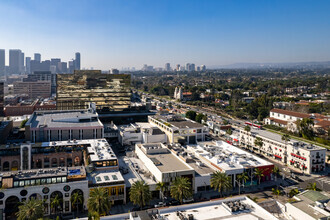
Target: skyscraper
point(187, 66)
point(15, 61)
point(2, 62)
point(55, 62)
point(177, 67)
point(167, 67)
point(21, 65)
point(37, 57)
point(203, 68)
point(28, 65)
point(77, 61)
point(1, 98)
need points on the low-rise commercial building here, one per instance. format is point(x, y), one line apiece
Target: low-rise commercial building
point(38, 89)
point(305, 157)
point(231, 160)
point(140, 133)
point(178, 129)
point(163, 165)
point(63, 125)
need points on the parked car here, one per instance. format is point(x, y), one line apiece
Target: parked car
point(160, 204)
point(190, 200)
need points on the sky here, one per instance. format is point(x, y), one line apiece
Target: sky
point(130, 33)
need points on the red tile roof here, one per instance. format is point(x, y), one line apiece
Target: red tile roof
point(278, 121)
point(291, 113)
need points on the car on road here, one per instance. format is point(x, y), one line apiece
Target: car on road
point(160, 204)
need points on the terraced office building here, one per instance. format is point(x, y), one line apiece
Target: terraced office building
point(110, 92)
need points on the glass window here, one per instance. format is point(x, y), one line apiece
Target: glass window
point(49, 180)
point(54, 180)
point(98, 179)
point(21, 183)
point(27, 182)
point(63, 179)
point(106, 178)
point(43, 181)
point(37, 181)
point(16, 184)
point(33, 182)
point(114, 177)
point(59, 179)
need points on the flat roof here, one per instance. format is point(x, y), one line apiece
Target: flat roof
point(227, 157)
point(179, 122)
point(106, 176)
point(219, 210)
point(100, 150)
point(64, 119)
point(278, 138)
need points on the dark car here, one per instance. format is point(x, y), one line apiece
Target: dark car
point(174, 202)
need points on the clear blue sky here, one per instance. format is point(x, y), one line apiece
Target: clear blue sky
point(122, 33)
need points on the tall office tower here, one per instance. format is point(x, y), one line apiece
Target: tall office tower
point(28, 65)
point(77, 61)
point(187, 66)
point(1, 98)
point(177, 67)
point(15, 61)
point(55, 62)
point(198, 68)
point(2, 62)
point(109, 92)
point(62, 67)
point(21, 65)
point(192, 67)
point(167, 67)
point(203, 68)
point(37, 57)
point(71, 66)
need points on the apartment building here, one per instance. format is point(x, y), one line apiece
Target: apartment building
point(37, 89)
point(305, 157)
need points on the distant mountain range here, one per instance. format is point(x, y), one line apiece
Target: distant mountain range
point(324, 64)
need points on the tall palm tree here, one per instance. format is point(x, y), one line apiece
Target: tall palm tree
point(242, 178)
point(76, 199)
point(161, 186)
point(276, 171)
point(313, 187)
point(55, 203)
point(92, 215)
point(30, 210)
point(99, 201)
point(259, 173)
point(258, 142)
point(181, 189)
point(221, 182)
point(140, 193)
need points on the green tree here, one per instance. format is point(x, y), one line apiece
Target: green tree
point(92, 215)
point(55, 203)
point(221, 182)
point(293, 192)
point(258, 142)
point(191, 115)
point(259, 173)
point(76, 199)
point(242, 178)
point(199, 117)
point(276, 192)
point(30, 210)
point(229, 131)
point(140, 193)
point(247, 128)
point(276, 172)
point(161, 186)
point(23, 123)
point(181, 189)
point(305, 127)
point(313, 187)
point(99, 201)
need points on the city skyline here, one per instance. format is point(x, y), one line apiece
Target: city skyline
point(118, 34)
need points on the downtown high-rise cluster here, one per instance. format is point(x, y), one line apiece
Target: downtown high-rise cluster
point(19, 64)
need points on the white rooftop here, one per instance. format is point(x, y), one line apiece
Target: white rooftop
point(219, 210)
point(229, 158)
point(108, 176)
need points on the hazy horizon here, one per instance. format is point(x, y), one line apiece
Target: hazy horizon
point(116, 34)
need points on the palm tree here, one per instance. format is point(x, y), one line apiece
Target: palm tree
point(76, 199)
point(161, 186)
point(220, 181)
point(313, 187)
point(258, 142)
point(259, 173)
point(181, 189)
point(276, 171)
point(55, 203)
point(99, 201)
point(243, 177)
point(30, 210)
point(276, 192)
point(293, 192)
point(93, 215)
point(140, 193)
